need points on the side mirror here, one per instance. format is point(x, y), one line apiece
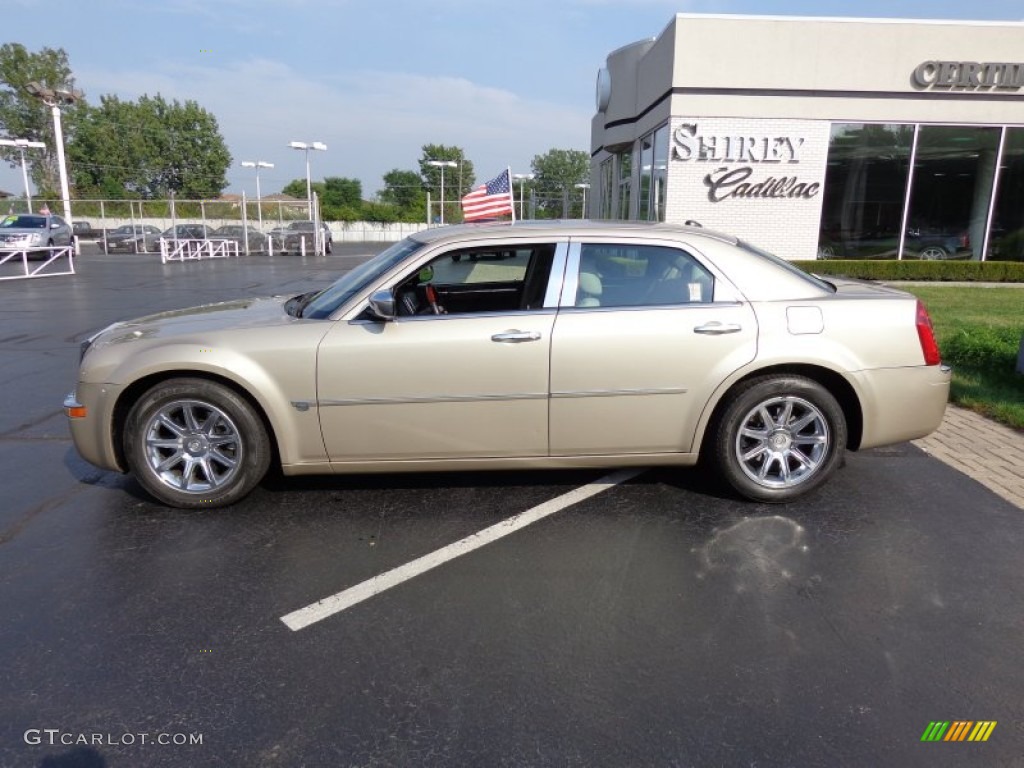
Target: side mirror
point(382, 304)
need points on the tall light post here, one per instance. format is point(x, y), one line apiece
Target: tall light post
point(257, 165)
point(522, 178)
point(54, 98)
point(307, 147)
point(22, 145)
point(584, 187)
point(442, 164)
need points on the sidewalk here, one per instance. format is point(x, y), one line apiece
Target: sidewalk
point(982, 449)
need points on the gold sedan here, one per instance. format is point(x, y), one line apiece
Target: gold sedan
point(560, 344)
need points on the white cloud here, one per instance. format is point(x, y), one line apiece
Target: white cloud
point(371, 121)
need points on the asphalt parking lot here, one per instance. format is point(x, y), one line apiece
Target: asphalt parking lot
point(656, 621)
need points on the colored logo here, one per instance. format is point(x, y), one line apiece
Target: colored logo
point(958, 730)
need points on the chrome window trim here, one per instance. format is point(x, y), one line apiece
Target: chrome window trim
point(457, 316)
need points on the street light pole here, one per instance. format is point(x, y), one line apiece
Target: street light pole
point(54, 98)
point(584, 187)
point(22, 144)
point(306, 147)
point(442, 164)
point(522, 178)
point(257, 165)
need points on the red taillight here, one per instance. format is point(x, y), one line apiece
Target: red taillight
point(926, 334)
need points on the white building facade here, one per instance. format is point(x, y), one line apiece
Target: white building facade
point(818, 137)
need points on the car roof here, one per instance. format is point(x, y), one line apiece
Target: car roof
point(567, 228)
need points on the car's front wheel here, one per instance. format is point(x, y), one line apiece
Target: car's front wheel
point(779, 437)
point(195, 443)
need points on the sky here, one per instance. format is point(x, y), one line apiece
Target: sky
point(375, 80)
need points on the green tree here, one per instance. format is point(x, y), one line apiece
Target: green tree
point(405, 191)
point(149, 148)
point(23, 116)
point(556, 174)
point(297, 188)
point(341, 199)
point(458, 180)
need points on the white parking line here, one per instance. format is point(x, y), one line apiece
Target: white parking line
point(336, 603)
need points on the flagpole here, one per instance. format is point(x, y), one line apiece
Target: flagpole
point(511, 195)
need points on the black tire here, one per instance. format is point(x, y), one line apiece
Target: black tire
point(209, 449)
point(778, 463)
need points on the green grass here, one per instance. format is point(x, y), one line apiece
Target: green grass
point(979, 331)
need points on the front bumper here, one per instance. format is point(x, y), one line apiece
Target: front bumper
point(90, 412)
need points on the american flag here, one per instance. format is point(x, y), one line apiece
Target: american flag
point(489, 200)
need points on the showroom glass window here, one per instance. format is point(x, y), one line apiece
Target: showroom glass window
point(865, 190)
point(607, 189)
point(653, 169)
point(954, 173)
point(660, 172)
point(1006, 242)
point(646, 165)
point(625, 163)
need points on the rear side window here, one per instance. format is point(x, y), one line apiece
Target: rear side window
point(619, 275)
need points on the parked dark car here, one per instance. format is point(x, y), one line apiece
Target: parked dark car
point(84, 230)
point(920, 243)
point(257, 241)
point(150, 242)
point(935, 243)
point(300, 235)
point(124, 239)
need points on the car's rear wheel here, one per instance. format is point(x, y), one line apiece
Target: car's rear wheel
point(779, 437)
point(195, 443)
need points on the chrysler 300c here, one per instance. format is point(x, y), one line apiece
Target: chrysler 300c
point(560, 344)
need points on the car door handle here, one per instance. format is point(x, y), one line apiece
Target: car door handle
point(715, 328)
point(515, 337)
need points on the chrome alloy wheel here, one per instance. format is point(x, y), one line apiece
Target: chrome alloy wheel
point(782, 441)
point(192, 446)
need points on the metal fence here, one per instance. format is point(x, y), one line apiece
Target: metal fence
point(94, 219)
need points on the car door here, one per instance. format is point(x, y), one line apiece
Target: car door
point(467, 383)
point(645, 333)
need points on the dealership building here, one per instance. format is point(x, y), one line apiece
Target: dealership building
point(820, 137)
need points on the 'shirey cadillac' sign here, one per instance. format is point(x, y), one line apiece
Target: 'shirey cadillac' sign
point(744, 153)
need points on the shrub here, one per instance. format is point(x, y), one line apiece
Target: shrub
point(983, 347)
point(959, 271)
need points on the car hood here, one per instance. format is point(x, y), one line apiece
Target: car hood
point(19, 231)
point(241, 314)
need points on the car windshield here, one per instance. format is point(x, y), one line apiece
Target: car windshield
point(24, 222)
point(301, 226)
point(351, 283)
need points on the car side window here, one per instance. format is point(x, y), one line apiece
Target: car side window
point(621, 275)
point(505, 278)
